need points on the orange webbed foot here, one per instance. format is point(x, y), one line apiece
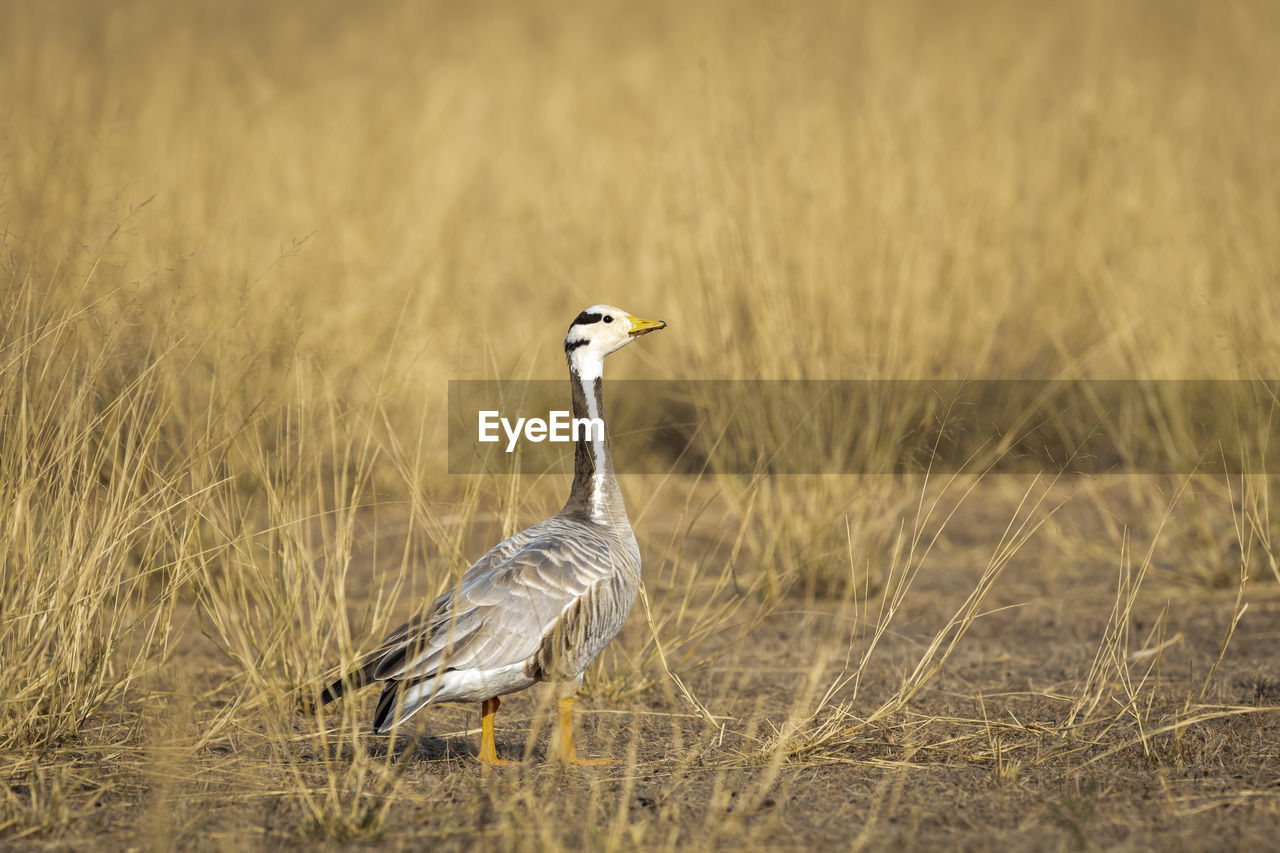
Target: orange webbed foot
point(564, 752)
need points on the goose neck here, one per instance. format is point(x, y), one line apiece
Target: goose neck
point(595, 493)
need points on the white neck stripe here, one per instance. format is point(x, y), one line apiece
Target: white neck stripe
point(597, 451)
point(590, 366)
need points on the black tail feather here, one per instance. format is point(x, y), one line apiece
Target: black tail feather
point(351, 681)
point(388, 705)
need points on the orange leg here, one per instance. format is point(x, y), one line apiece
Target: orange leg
point(488, 752)
point(564, 750)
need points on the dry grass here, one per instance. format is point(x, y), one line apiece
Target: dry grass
point(242, 248)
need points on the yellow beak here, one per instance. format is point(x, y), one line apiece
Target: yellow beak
point(643, 327)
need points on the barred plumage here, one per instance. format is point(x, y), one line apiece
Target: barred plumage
point(540, 605)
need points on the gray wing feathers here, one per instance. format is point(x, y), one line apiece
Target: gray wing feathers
point(533, 601)
point(581, 630)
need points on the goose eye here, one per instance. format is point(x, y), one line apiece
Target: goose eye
point(608, 318)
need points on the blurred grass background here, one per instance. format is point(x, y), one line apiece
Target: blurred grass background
point(828, 190)
point(243, 246)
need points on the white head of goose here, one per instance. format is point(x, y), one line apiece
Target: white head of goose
point(538, 606)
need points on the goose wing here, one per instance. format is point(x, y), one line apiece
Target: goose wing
point(506, 614)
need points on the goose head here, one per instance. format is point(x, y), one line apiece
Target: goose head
point(600, 330)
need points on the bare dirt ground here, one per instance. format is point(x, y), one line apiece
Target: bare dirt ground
point(999, 750)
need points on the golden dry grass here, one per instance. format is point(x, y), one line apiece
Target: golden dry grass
point(243, 246)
